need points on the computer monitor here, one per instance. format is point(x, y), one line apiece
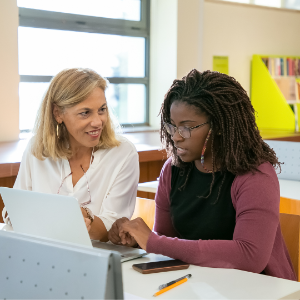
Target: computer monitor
point(41, 268)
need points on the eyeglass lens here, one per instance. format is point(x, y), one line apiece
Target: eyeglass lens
point(183, 131)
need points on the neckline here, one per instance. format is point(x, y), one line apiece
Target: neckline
point(205, 173)
point(67, 169)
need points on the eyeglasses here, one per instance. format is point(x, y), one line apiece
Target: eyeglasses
point(184, 132)
point(87, 183)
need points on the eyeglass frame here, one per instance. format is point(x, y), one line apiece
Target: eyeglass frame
point(189, 128)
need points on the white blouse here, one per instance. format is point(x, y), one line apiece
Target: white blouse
point(112, 177)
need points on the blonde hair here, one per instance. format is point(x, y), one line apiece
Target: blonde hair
point(67, 88)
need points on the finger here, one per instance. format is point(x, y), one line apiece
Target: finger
point(125, 227)
point(133, 242)
point(123, 238)
point(128, 238)
point(113, 237)
point(114, 229)
point(121, 221)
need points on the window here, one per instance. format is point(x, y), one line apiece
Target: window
point(294, 4)
point(291, 4)
point(108, 36)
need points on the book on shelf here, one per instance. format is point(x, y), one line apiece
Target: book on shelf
point(282, 66)
point(274, 92)
point(285, 72)
point(298, 89)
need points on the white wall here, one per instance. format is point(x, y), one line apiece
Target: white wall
point(9, 78)
point(163, 54)
point(176, 46)
point(240, 31)
point(189, 36)
point(185, 34)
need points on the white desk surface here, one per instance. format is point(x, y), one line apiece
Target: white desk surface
point(288, 188)
point(149, 187)
point(205, 283)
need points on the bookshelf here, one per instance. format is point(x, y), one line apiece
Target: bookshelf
point(275, 91)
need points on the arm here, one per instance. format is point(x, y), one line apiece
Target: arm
point(257, 218)
point(120, 200)
point(163, 222)
point(129, 232)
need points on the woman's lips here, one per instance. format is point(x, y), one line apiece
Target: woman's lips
point(94, 133)
point(181, 151)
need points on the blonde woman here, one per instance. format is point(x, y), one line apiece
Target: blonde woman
point(76, 152)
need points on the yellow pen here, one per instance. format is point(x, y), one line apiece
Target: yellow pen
point(170, 287)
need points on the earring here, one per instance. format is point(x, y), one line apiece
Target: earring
point(57, 128)
point(203, 151)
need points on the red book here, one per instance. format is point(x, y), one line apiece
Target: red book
point(290, 67)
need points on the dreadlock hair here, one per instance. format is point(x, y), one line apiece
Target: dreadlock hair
point(239, 149)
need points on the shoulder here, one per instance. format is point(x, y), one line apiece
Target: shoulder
point(125, 144)
point(125, 147)
point(28, 150)
point(263, 182)
point(167, 167)
point(265, 172)
point(118, 154)
point(166, 173)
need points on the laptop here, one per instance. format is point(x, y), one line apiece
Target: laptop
point(55, 217)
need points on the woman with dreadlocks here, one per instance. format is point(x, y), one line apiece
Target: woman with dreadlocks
point(217, 203)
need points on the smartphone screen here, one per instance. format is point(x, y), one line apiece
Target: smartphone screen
point(160, 266)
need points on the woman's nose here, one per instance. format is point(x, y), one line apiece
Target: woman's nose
point(97, 121)
point(177, 137)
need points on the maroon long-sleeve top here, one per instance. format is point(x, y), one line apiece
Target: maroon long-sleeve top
point(257, 243)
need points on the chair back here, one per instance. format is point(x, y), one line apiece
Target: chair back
point(145, 209)
point(289, 154)
point(289, 206)
point(290, 228)
point(41, 268)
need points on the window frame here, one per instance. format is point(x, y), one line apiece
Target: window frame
point(36, 18)
point(252, 2)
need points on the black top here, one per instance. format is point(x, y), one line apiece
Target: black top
point(197, 218)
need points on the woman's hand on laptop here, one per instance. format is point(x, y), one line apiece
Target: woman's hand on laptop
point(114, 237)
point(137, 229)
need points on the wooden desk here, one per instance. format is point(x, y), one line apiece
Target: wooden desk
point(148, 145)
point(288, 188)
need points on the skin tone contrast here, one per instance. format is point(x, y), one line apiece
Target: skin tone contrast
point(131, 233)
point(85, 122)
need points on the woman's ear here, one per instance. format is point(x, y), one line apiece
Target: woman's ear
point(57, 114)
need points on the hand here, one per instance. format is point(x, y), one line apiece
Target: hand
point(87, 221)
point(137, 229)
point(113, 234)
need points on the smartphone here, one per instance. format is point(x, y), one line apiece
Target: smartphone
point(160, 266)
